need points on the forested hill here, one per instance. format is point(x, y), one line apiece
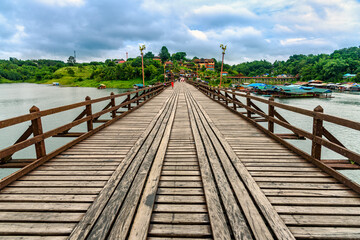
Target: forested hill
point(327, 67)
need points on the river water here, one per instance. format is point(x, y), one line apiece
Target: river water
point(17, 99)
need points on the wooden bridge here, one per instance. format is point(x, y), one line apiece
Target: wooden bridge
point(188, 164)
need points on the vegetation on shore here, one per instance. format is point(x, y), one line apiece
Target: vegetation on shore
point(326, 67)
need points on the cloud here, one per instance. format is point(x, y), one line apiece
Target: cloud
point(253, 29)
point(62, 3)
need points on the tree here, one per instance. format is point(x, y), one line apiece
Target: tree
point(149, 55)
point(70, 71)
point(71, 60)
point(164, 54)
point(178, 56)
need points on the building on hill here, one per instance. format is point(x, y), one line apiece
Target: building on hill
point(157, 58)
point(119, 61)
point(209, 64)
point(168, 64)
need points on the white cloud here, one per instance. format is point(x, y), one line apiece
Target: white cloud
point(62, 3)
point(303, 41)
point(282, 28)
point(198, 35)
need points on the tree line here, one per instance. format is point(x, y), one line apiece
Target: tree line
point(327, 67)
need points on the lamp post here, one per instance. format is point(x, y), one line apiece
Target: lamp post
point(142, 48)
point(222, 62)
point(164, 72)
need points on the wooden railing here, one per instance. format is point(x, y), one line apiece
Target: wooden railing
point(133, 100)
point(319, 136)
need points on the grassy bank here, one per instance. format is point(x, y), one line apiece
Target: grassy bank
point(80, 77)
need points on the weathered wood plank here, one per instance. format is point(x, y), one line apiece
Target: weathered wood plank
point(180, 218)
point(168, 230)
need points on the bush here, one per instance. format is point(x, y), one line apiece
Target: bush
point(70, 71)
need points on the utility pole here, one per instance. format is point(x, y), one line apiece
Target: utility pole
point(164, 72)
point(142, 48)
point(222, 62)
point(74, 56)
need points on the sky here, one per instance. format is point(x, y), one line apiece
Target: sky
point(107, 29)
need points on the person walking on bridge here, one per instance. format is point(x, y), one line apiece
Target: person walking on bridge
point(172, 84)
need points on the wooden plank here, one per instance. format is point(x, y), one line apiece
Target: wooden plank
point(322, 220)
point(317, 186)
point(296, 179)
point(277, 225)
point(173, 184)
point(58, 184)
point(326, 232)
point(309, 193)
point(184, 208)
point(168, 230)
point(98, 208)
point(142, 218)
point(315, 201)
point(319, 210)
point(34, 206)
point(179, 199)
point(64, 178)
point(51, 190)
point(41, 217)
point(180, 191)
point(12, 237)
point(46, 198)
point(254, 219)
point(180, 218)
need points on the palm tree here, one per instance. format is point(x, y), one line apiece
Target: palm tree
point(142, 48)
point(222, 62)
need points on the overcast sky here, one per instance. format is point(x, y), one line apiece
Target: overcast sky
point(102, 29)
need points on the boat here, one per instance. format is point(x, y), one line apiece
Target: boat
point(138, 86)
point(56, 84)
point(101, 86)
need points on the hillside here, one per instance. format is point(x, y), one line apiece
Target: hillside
point(79, 76)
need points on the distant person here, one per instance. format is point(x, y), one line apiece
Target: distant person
point(172, 84)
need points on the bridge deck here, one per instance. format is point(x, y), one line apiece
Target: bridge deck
point(181, 166)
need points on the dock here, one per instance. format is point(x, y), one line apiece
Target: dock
point(183, 163)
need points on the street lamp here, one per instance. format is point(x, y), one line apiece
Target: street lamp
point(222, 62)
point(164, 72)
point(142, 48)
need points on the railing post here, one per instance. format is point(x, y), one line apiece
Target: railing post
point(218, 93)
point(89, 113)
point(136, 96)
point(317, 132)
point(128, 99)
point(113, 113)
point(271, 114)
point(234, 98)
point(226, 98)
point(248, 103)
point(38, 130)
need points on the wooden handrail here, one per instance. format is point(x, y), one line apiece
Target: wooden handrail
point(31, 116)
point(318, 130)
point(85, 116)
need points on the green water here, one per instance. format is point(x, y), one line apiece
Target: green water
point(17, 99)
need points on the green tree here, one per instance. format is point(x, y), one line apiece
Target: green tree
point(70, 71)
point(164, 54)
point(149, 55)
point(71, 60)
point(178, 56)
